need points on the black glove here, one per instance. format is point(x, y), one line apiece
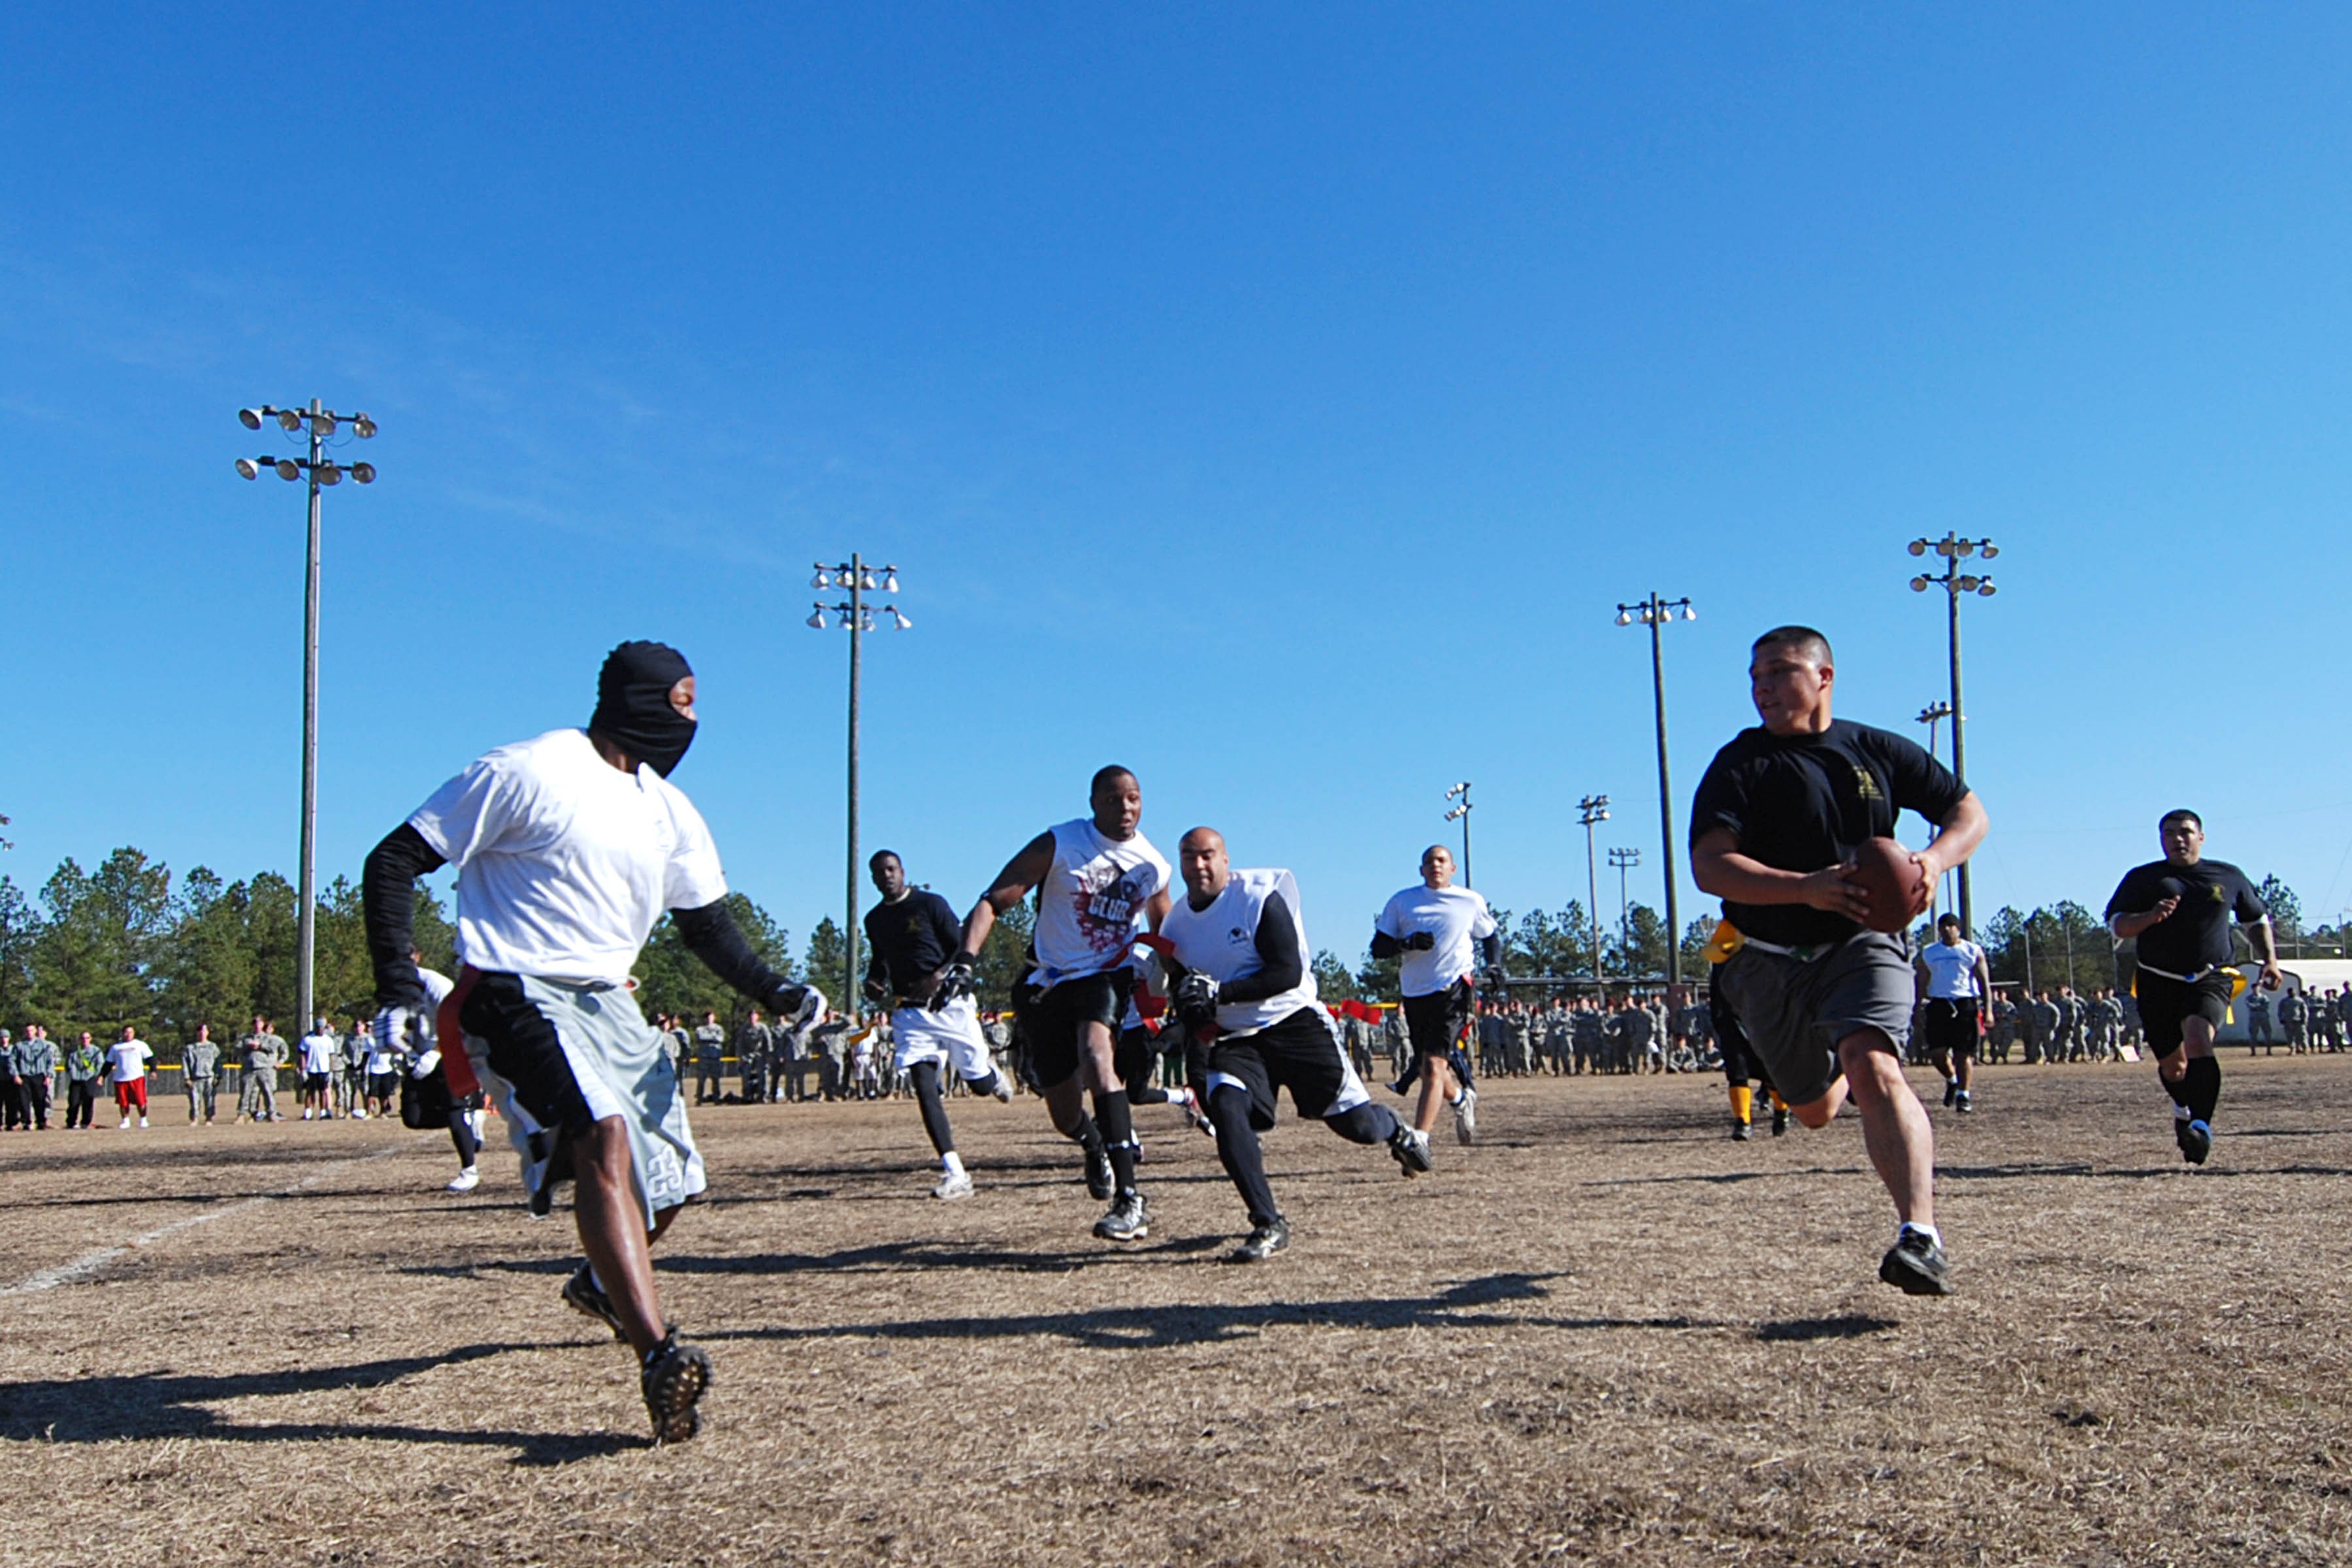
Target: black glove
point(874, 990)
point(1195, 1001)
point(1419, 941)
point(957, 984)
point(1496, 980)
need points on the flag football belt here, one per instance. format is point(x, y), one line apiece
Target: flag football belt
point(2237, 977)
point(1729, 939)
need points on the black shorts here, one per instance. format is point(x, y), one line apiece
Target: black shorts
point(1300, 1054)
point(1054, 1021)
point(2165, 1004)
point(1134, 1056)
point(1950, 1024)
point(1435, 1023)
point(316, 1082)
point(382, 1085)
point(525, 1050)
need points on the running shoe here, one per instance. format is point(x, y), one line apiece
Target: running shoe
point(1951, 1092)
point(1780, 1122)
point(1130, 1219)
point(1966, 1104)
point(1190, 1103)
point(1914, 1264)
point(1264, 1242)
point(675, 1379)
point(2196, 1139)
point(465, 1181)
point(580, 1294)
point(1739, 1132)
point(143, 1122)
point(1099, 1175)
point(1412, 1149)
point(953, 1185)
point(1465, 1116)
point(1000, 1087)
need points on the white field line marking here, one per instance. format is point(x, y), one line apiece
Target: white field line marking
point(89, 1263)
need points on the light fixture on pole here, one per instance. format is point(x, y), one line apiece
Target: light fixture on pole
point(1655, 612)
point(855, 615)
point(1594, 810)
point(1955, 582)
point(1932, 715)
point(1624, 860)
point(321, 423)
point(1460, 812)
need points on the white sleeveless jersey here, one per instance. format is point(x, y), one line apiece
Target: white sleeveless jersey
point(1091, 903)
point(1951, 968)
point(1221, 942)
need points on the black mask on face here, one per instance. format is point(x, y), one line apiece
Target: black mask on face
point(633, 706)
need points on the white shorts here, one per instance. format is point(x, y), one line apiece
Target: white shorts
point(952, 1035)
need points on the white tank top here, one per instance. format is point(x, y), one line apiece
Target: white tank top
point(1091, 903)
point(1221, 942)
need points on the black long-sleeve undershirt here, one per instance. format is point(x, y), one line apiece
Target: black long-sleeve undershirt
point(1490, 948)
point(388, 910)
point(711, 935)
point(1280, 963)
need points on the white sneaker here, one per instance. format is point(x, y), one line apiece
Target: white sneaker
point(1004, 1089)
point(143, 1122)
point(123, 1125)
point(466, 1180)
point(1465, 1116)
point(953, 1186)
point(359, 1116)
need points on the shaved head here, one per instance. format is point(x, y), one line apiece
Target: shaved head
point(1200, 862)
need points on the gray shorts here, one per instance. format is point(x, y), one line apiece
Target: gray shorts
point(1795, 1013)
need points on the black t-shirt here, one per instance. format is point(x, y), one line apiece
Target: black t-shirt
point(1800, 803)
point(2196, 935)
point(911, 940)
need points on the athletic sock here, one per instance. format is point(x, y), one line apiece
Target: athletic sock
point(1086, 1135)
point(2203, 1084)
point(952, 1162)
point(1930, 1231)
point(2179, 1089)
point(1777, 1103)
point(1237, 1150)
point(926, 1077)
point(1743, 1103)
point(1118, 1137)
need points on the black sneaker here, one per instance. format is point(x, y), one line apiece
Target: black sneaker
point(1264, 1242)
point(1951, 1092)
point(1410, 1149)
point(1780, 1122)
point(1099, 1176)
point(2196, 1139)
point(1965, 1105)
point(1914, 1264)
point(580, 1294)
point(674, 1380)
point(1130, 1219)
point(1739, 1132)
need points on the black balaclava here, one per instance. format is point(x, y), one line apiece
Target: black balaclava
point(632, 707)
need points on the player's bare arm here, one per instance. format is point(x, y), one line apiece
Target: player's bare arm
point(2127, 927)
point(2264, 941)
point(1718, 868)
point(1012, 884)
point(1957, 838)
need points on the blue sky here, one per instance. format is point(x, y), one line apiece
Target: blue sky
point(1278, 401)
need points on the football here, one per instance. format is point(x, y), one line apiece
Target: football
point(1882, 870)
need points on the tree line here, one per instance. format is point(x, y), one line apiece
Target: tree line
point(128, 943)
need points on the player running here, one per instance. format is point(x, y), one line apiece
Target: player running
point(1098, 878)
point(913, 936)
point(1437, 931)
point(1956, 982)
point(1826, 1002)
point(2178, 910)
point(1244, 998)
point(569, 847)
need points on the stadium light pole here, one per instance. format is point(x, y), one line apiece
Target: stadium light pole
point(1624, 860)
point(1654, 613)
point(1931, 715)
point(1460, 813)
point(1593, 810)
point(323, 471)
point(1955, 582)
point(855, 615)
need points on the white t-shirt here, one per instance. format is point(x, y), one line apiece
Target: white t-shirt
point(127, 1060)
point(1092, 901)
point(565, 862)
point(1458, 917)
point(1951, 968)
point(318, 1052)
point(1221, 942)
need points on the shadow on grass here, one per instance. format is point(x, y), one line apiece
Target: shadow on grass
point(1845, 1326)
point(1169, 1326)
point(141, 1406)
point(883, 1258)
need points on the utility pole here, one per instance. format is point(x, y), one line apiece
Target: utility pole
point(1655, 612)
point(856, 618)
point(1955, 550)
point(1624, 860)
point(1929, 716)
point(322, 472)
point(1593, 810)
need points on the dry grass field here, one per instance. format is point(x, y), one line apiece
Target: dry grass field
point(1608, 1334)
